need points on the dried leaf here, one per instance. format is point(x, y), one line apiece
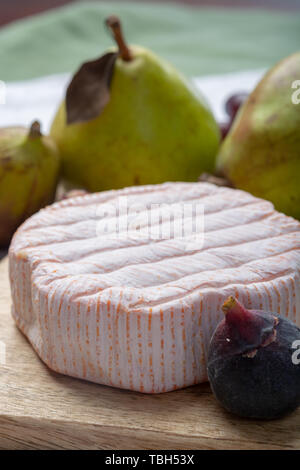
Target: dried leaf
point(89, 91)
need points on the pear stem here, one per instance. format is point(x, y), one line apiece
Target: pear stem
point(114, 25)
point(35, 130)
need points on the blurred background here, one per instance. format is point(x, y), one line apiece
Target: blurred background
point(201, 37)
point(223, 45)
point(15, 9)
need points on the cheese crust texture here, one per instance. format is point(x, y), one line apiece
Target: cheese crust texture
point(100, 299)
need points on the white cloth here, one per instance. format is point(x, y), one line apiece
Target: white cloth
point(39, 98)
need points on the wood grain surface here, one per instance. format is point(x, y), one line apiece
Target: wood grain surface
point(40, 409)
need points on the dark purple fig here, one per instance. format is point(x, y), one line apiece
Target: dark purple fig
point(232, 106)
point(224, 129)
point(252, 366)
point(234, 103)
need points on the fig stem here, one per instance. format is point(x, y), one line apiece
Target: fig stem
point(229, 304)
point(232, 306)
point(114, 24)
point(234, 310)
point(35, 130)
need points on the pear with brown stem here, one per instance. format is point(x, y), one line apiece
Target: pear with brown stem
point(130, 118)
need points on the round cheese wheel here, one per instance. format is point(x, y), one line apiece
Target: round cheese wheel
point(125, 288)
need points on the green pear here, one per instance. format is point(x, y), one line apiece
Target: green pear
point(135, 120)
point(29, 169)
point(261, 153)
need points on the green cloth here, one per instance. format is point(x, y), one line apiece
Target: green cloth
point(199, 41)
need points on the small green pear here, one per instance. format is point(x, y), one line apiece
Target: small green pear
point(29, 170)
point(261, 153)
point(130, 118)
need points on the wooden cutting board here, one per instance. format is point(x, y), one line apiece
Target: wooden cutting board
point(40, 409)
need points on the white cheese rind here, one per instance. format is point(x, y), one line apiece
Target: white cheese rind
point(136, 313)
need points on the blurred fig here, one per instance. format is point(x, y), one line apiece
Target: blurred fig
point(233, 104)
point(224, 129)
